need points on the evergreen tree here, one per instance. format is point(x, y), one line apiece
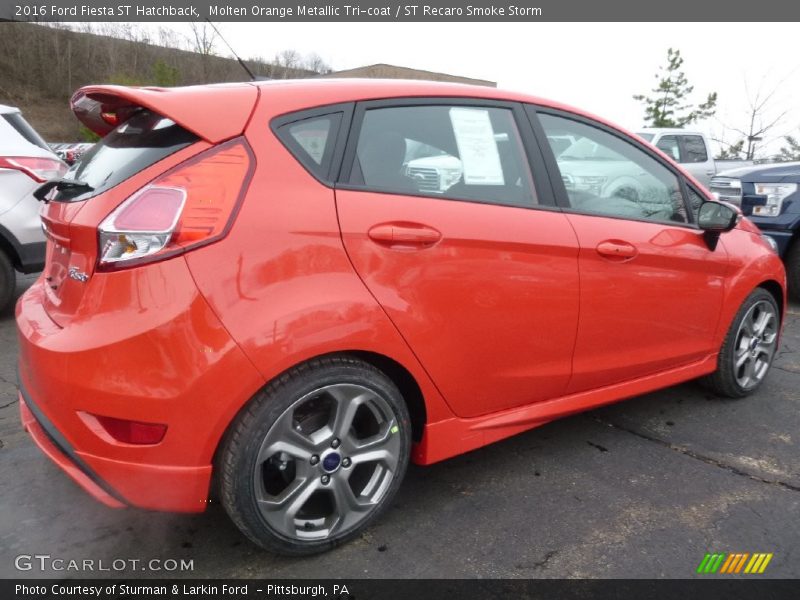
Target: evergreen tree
point(668, 107)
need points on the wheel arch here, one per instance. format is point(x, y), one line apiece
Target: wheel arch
point(775, 289)
point(399, 375)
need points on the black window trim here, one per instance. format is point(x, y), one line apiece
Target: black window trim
point(534, 159)
point(333, 152)
point(555, 173)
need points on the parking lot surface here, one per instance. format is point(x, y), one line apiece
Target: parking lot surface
point(640, 489)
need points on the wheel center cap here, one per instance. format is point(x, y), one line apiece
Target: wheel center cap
point(331, 462)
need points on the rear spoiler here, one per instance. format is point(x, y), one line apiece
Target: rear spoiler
point(213, 112)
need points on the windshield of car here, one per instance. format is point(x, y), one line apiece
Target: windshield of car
point(139, 142)
point(648, 137)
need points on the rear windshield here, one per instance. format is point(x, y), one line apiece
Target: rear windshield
point(139, 142)
point(29, 133)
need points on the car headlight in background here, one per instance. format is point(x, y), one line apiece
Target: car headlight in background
point(775, 193)
point(449, 176)
point(590, 183)
point(770, 242)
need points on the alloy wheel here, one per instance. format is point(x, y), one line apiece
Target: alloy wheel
point(327, 461)
point(755, 344)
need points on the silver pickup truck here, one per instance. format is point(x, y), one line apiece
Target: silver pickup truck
point(692, 150)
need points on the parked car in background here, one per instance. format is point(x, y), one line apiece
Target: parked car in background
point(25, 163)
point(270, 303)
point(691, 149)
point(70, 152)
point(769, 196)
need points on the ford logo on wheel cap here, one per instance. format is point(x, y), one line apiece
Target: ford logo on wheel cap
point(331, 462)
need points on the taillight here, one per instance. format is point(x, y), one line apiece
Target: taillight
point(191, 205)
point(38, 169)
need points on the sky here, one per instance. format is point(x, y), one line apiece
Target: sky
point(595, 66)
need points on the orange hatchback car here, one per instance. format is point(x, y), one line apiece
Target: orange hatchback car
point(277, 294)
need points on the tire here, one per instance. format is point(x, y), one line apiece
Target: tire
point(315, 457)
point(8, 282)
point(793, 270)
point(748, 349)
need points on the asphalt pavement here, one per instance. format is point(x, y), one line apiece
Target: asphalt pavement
point(640, 489)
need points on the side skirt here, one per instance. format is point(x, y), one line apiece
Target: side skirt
point(453, 436)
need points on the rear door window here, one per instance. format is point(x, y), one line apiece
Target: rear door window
point(472, 153)
point(139, 142)
point(694, 149)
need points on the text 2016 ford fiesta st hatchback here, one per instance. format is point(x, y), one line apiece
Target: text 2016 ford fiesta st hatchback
point(295, 287)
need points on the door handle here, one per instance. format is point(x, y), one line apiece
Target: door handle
point(406, 235)
point(617, 250)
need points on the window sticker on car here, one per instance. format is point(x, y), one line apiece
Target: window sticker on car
point(477, 146)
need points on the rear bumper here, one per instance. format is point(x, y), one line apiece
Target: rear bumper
point(177, 489)
point(169, 366)
point(52, 443)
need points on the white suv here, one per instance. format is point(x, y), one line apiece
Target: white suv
point(25, 163)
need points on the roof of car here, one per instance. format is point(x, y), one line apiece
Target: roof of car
point(232, 103)
point(363, 88)
point(7, 109)
point(668, 130)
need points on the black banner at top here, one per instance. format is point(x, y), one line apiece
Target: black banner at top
point(370, 11)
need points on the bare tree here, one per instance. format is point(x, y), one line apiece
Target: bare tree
point(202, 42)
point(761, 119)
point(314, 62)
point(289, 60)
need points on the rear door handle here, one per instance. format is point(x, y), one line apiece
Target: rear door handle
point(405, 235)
point(617, 250)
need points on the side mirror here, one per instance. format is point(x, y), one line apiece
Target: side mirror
point(715, 218)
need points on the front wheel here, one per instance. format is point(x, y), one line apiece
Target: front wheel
point(749, 347)
point(316, 456)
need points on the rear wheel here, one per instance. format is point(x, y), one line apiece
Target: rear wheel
point(316, 456)
point(8, 281)
point(749, 347)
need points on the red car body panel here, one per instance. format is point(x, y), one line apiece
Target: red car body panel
point(486, 261)
point(674, 262)
point(186, 342)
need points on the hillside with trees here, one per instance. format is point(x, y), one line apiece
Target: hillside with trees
point(41, 66)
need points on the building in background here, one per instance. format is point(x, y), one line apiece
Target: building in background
point(383, 71)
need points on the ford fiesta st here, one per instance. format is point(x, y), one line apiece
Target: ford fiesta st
point(279, 293)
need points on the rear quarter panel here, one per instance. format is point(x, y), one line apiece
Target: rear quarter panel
point(281, 282)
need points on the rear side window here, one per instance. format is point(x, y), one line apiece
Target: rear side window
point(139, 142)
point(472, 153)
point(694, 149)
point(25, 130)
point(311, 141)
